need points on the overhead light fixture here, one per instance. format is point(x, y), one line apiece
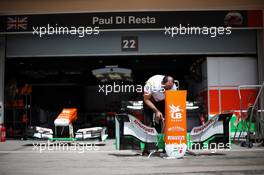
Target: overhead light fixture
point(112, 73)
point(133, 105)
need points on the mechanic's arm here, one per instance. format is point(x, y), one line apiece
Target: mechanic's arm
point(148, 102)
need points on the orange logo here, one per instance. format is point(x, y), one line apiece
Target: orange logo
point(175, 116)
point(175, 112)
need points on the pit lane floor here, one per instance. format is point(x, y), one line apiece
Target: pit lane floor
point(35, 157)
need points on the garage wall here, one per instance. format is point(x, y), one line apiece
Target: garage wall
point(51, 6)
point(2, 70)
point(227, 73)
point(232, 71)
point(261, 65)
point(150, 42)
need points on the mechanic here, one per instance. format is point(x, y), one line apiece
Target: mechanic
point(154, 99)
point(154, 102)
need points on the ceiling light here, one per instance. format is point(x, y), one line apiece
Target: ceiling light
point(112, 73)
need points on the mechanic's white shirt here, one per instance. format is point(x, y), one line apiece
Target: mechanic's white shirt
point(153, 86)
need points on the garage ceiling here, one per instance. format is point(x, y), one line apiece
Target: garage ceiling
point(79, 69)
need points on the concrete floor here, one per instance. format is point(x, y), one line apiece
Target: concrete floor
point(26, 157)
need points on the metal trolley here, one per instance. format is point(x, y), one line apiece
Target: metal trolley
point(254, 113)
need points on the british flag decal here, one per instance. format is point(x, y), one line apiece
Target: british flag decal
point(17, 23)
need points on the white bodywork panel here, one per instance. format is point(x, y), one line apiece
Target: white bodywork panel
point(43, 133)
point(210, 128)
point(139, 130)
point(62, 122)
point(89, 133)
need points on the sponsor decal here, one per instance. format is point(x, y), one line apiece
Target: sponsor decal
point(233, 18)
point(175, 112)
point(176, 129)
point(145, 128)
point(176, 137)
point(206, 125)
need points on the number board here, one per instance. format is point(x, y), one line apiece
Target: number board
point(129, 43)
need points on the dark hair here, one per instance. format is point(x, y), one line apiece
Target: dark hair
point(166, 79)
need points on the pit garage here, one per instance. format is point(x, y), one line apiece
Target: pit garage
point(57, 83)
point(46, 73)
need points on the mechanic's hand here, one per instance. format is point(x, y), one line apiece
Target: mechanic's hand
point(158, 115)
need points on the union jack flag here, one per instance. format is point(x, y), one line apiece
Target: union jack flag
point(17, 23)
